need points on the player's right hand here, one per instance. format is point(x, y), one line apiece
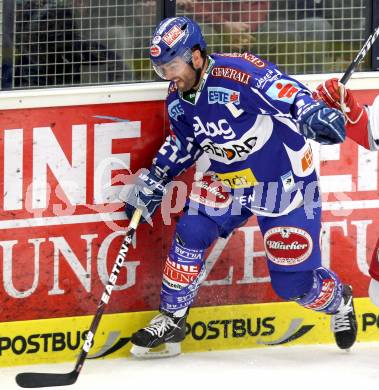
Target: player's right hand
point(330, 93)
point(145, 193)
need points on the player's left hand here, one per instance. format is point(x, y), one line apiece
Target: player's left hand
point(322, 124)
point(145, 193)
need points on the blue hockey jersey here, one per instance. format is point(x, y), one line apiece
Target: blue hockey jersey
point(243, 116)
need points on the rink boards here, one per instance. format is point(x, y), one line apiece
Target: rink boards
point(208, 328)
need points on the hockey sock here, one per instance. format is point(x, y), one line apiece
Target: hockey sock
point(183, 273)
point(325, 294)
point(184, 269)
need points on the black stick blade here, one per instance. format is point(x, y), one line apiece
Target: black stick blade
point(34, 379)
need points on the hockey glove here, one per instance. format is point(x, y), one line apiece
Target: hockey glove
point(330, 93)
point(145, 193)
point(356, 117)
point(322, 124)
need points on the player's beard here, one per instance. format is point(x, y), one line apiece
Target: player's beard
point(197, 73)
point(187, 82)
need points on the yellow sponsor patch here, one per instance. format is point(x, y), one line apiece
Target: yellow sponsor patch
point(238, 179)
point(208, 328)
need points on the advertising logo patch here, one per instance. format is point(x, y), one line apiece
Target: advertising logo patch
point(307, 159)
point(156, 39)
point(295, 331)
point(328, 290)
point(288, 181)
point(174, 35)
point(177, 276)
point(238, 179)
point(283, 90)
point(257, 62)
point(222, 95)
point(287, 245)
point(175, 109)
point(231, 74)
point(210, 192)
point(155, 51)
point(213, 129)
point(230, 152)
point(270, 75)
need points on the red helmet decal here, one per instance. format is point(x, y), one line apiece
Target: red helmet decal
point(174, 35)
point(155, 51)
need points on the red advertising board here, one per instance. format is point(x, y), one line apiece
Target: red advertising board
point(60, 172)
point(61, 216)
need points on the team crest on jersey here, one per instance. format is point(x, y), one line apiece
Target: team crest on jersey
point(174, 35)
point(175, 109)
point(222, 95)
point(283, 90)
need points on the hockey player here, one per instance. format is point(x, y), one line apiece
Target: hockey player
point(362, 126)
point(252, 121)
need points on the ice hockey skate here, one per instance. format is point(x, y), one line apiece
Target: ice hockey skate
point(165, 331)
point(344, 322)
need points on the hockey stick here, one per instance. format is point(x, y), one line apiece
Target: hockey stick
point(360, 56)
point(34, 379)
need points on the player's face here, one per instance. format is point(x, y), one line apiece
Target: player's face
point(179, 71)
point(186, 79)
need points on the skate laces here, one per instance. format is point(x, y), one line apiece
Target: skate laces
point(160, 324)
point(340, 320)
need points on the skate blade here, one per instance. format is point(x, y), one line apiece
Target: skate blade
point(164, 351)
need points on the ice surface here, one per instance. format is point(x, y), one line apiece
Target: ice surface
point(280, 367)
